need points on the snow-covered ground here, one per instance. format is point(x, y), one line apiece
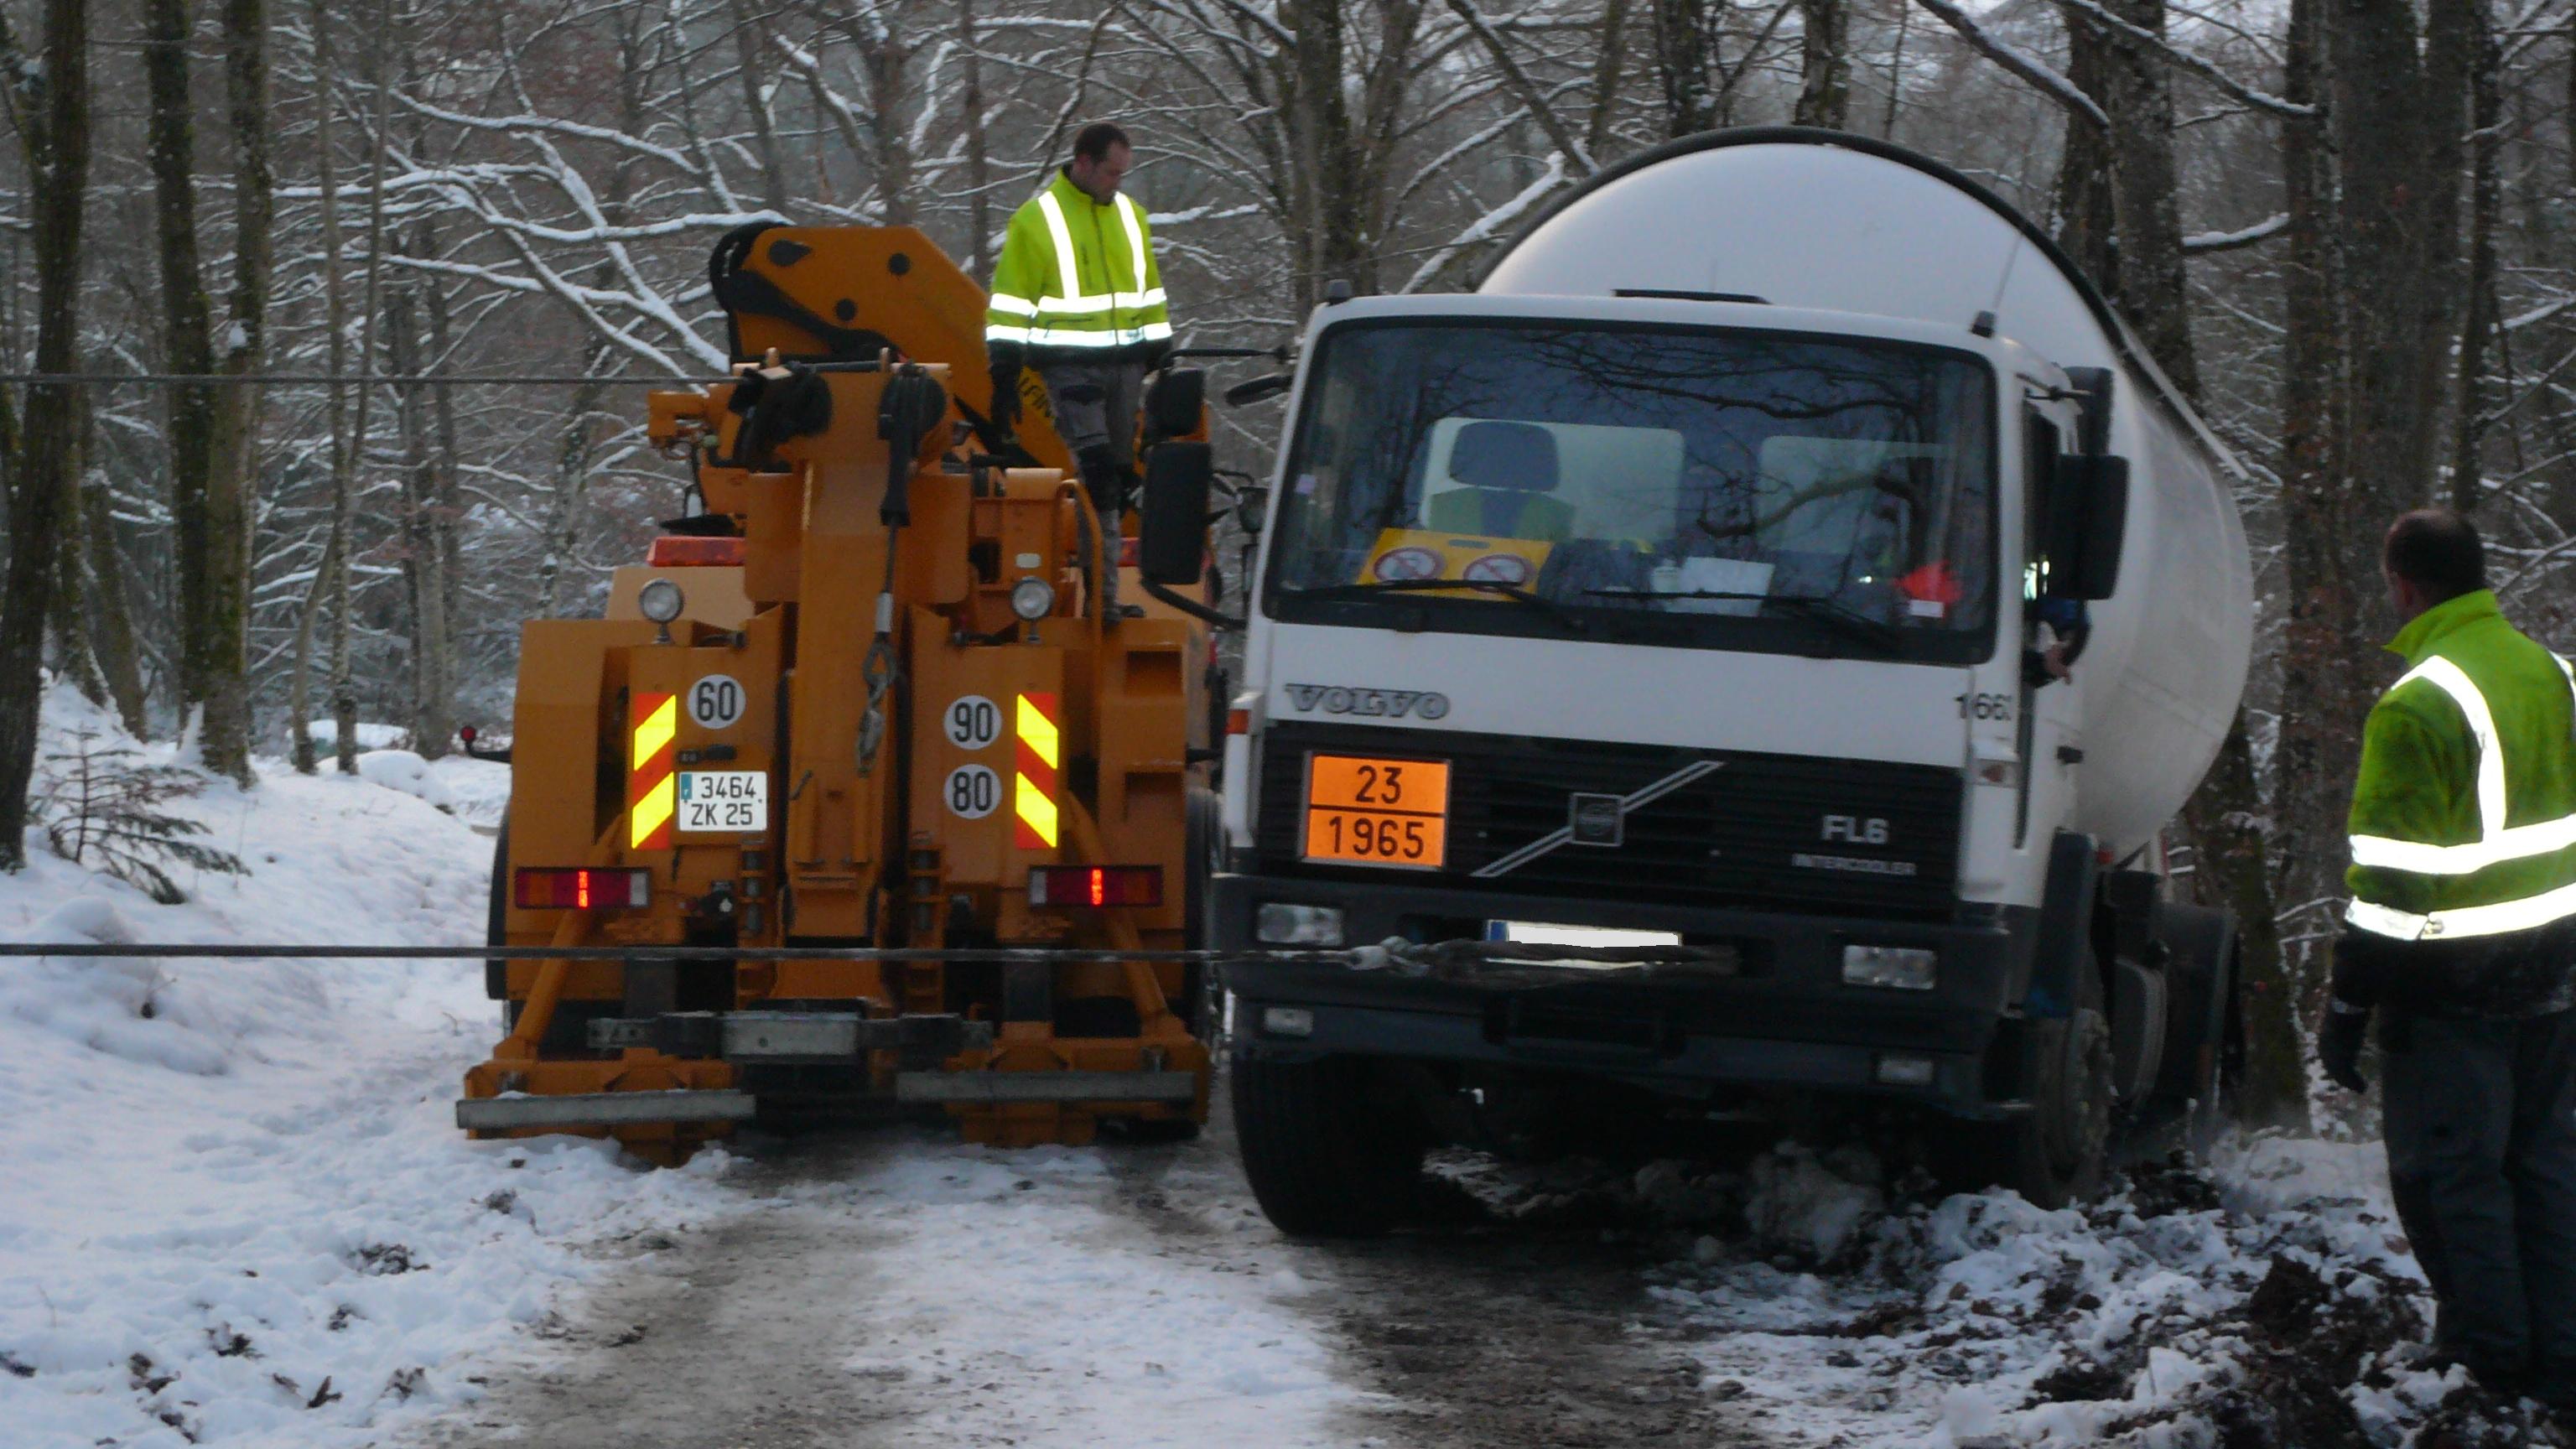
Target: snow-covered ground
point(234, 1210)
point(234, 1207)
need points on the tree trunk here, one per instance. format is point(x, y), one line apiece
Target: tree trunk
point(886, 56)
point(1824, 77)
point(54, 125)
point(1685, 53)
point(447, 504)
point(572, 482)
point(2224, 817)
point(2324, 690)
point(1605, 76)
point(424, 555)
point(2137, 94)
point(2479, 312)
point(344, 695)
point(111, 617)
point(748, 34)
point(979, 204)
point(187, 326)
point(2085, 206)
point(2398, 110)
point(299, 689)
point(225, 653)
point(74, 664)
point(1329, 207)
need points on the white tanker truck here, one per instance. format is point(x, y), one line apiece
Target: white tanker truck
point(1786, 553)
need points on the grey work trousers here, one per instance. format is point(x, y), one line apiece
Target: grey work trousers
point(1095, 407)
point(2482, 1158)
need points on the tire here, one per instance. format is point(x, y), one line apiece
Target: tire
point(2202, 947)
point(1326, 1156)
point(1202, 992)
point(2056, 1154)
point(496, 930)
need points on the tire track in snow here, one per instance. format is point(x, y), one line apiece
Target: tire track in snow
point(892, 1289)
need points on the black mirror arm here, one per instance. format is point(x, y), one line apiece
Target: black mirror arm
point(1192, 607)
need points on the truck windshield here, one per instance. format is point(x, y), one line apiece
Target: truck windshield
point(1691, 486)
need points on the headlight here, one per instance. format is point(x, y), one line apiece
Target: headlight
point(1280, 924)
point(1033, 599)
point(660, 601)
point(1902, 968)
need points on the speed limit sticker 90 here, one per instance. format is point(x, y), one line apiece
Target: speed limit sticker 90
point(715, 701)
point(972, 722)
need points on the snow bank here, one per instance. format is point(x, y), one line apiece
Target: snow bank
point(234, 1208)
point(326, 735)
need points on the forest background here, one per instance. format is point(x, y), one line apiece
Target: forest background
point(2344, 226)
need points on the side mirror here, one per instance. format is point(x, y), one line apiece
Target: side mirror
point(1172, 548)
point(1259, 389)
point(1252, 509)
point(2085, 522)
point(1174, 402)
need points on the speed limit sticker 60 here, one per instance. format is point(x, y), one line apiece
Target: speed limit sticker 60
point(715, 701)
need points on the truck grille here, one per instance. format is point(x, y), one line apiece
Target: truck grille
point(1768, 832)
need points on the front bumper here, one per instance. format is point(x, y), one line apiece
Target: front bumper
point(1784, 1020)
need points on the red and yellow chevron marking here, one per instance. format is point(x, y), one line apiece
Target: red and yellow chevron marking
point(1041, 754)
point(650, 786)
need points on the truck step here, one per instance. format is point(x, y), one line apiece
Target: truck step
point(601, 1109)
point(1046, 1086)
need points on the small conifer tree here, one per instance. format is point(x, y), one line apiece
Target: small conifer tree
point(101, 803)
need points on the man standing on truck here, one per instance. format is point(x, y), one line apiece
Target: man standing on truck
point(1077, 296)
point(2461, 935)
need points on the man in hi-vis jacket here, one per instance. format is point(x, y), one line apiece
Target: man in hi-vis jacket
point(1078, 296)
point(2461, 936)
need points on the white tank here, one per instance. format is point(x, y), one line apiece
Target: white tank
point(1821, 220)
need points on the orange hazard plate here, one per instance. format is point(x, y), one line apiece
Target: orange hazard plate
point(1377, 812)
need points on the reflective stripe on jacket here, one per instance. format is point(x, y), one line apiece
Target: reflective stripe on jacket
point(2464, 815)
point(1076, 279)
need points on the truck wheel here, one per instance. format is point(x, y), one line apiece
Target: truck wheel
point(496, 973)
point(2202, 966)
point(2055, 1154)
point(1326, 1158)
point(1202, 994)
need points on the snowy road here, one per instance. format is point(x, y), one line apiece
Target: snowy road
point(893, 1288)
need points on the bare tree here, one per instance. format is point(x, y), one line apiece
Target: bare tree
point(49, 105)
point(1824, 87)
point(223, 653)
point(188, 337)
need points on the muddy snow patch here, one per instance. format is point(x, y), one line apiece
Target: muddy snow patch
point(2268, 1300)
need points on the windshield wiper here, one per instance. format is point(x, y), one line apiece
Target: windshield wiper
point(1819, 607)
point(1573, 622)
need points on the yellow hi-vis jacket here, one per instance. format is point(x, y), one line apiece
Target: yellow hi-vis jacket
point(2464, 815)
point(1076, 279)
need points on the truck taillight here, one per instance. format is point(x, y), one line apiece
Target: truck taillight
point(1096, 886)
point(579, 888)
